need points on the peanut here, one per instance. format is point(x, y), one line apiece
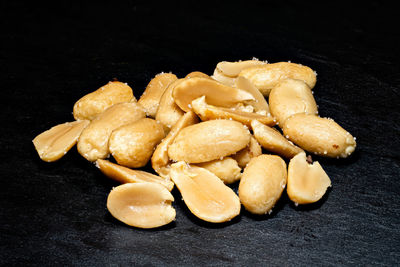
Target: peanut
point(209, 140)
point(259, 103)
point(143, 205)
point(318, 135)
point(206, 196)
point(221, 78)
point(93, 142)
point(291, 97)
point(267, 76)
point(253, 149)
point(272, 140)
point(133, 144)
point(90, 105)
point(307, 183)
point(54, 143)
point(232, 69)
point(226, 169)
point(262, 183)
point(150, 99)
point(197, 74)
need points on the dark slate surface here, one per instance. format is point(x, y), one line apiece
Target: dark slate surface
point(55, 214)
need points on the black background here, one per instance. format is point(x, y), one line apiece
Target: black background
point(51, 55)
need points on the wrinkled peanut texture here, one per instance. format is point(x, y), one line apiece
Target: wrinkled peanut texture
point(265, 77)
point(208, 141)
point(262, 183)
point(143, 205)
point(208, 112)
point(291, 97)
point(216, 93)
point(318, 135)
point(168, 113)
point(151, 96)
point(232, 69)
point(54, 143)
point(93, 142)
point(206, 196)
point(90, 105)
point(307, 183)
point(226, 169)
point(253, 149)
point(272, 140)
point(125, 175)
point(160, 160)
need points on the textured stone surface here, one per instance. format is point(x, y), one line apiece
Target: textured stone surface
point(55, 213)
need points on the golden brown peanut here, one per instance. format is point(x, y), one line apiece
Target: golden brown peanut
point(90, 105)
point(318, 135)
point(226, 169)
point(262, 183)
point(150, 98)
point(253, 149)
point(259, 103)
point(291, 97)
point(216, 93)
point(197, 74)
point(307, 183)
point(209, 140)
point(206, 196)
point(232, 69)
point(54, 143)
point(143, 205)
point(220, 77)
point(160, 160)
point(265, 77)
point(208, 112)
point(168, 112)
point(133, 144)
point(93, 142)
point(125, 175)
point(272, 140)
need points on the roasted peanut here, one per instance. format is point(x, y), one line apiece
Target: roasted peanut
point(291, 97)
point(321, 136)
point(209, 112)
point(221, 78)
point(226, 169)
point(209, 140)
point(93, 142)
point(54, 143)
point(267, 76)
point(143, 205)
point(262, 183)
point(259, 103)
point(90, 105)
point(197, 74)
point(206, 196)
point(253, 149)
point(216, 93)
point(160, 159)
point(272, 140)
point(150, 99)
point(125, 175)
point(307, 183)
point(168, 112)
point(232, 69)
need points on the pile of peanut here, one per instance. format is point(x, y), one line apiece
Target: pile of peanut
point(201, 133)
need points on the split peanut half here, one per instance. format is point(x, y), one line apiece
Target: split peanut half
point(208, 141)
point(90, 105)
point(272, 140)
point(160, 159)
point(259, 103)
point(93, 142)
point(307, 183)
point(221, 78)
point(150, 99)
point(253, 149)
point(318, 135)
point(54, 143)
point(125, 175)
point(133, 144)
point(291, 97)
point(226, 169)
point(216, 93)
point(143, 205)
point(206, 196)
point(262, 183)
point(232, 69)
point(267, 76)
